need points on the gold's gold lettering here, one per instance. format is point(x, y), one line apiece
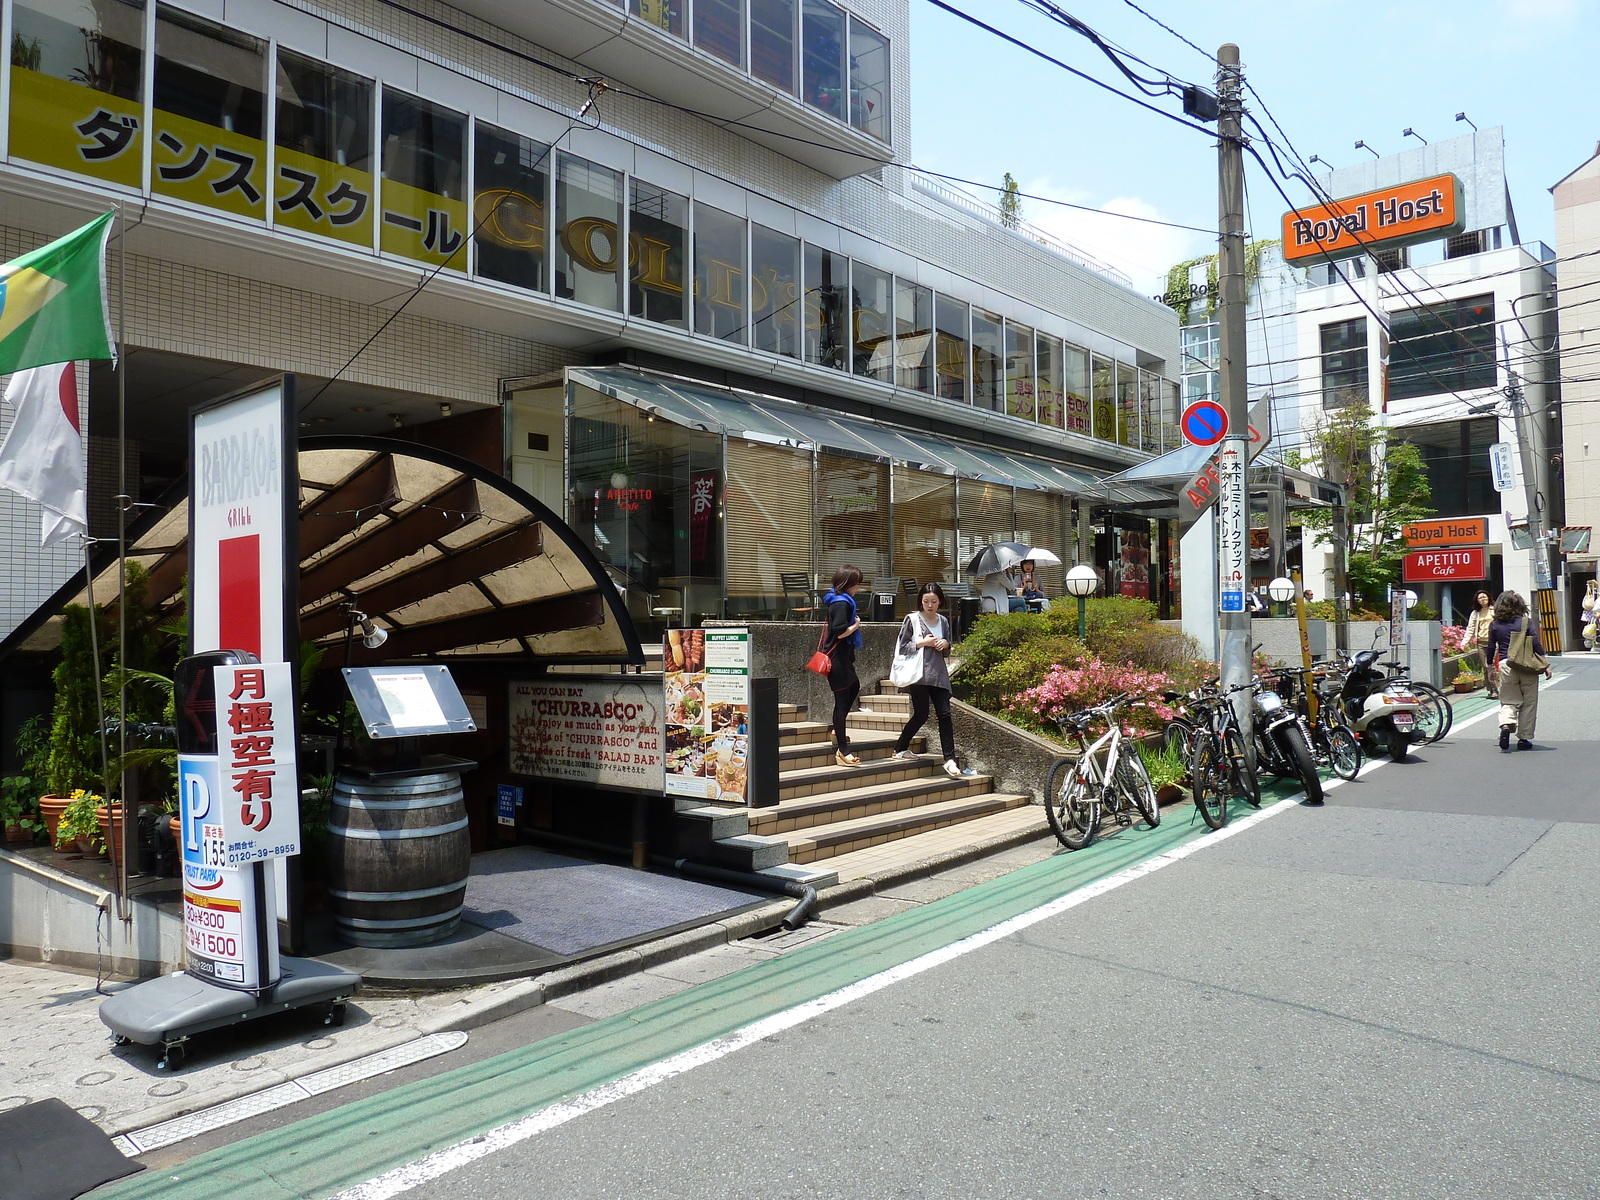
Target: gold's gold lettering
point(579, 236)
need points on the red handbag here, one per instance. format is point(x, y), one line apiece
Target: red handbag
point(819, 661)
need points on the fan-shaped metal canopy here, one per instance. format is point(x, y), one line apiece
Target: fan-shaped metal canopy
point(453, 560)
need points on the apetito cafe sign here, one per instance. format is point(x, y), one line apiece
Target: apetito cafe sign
point(1393, 216)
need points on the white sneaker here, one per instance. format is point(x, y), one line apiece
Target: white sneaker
point(951, 769)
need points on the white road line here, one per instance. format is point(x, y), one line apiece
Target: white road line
point(231, 1112)
point(442, 1162)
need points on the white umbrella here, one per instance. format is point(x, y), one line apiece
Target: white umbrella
point(1042, 557)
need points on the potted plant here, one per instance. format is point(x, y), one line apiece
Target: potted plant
point(69, 757)
point(1467, 681)
point(19, 810)
point(79, 825)
point(1167, 770)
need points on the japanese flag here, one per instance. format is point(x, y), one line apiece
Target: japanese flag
point(42, 456)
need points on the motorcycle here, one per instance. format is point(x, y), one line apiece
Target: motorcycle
point(1382, 712)
point(1283, 744)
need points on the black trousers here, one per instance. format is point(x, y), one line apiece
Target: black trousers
point(842, 700)
point(921, 694)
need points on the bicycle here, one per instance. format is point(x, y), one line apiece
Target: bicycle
point(1218, 769)
point(1102, 781)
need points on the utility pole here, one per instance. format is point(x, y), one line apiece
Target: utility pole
point(1232, 459)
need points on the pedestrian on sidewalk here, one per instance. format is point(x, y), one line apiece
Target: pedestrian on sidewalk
point(926, 634)
point(844, 632)
point(1510, 635)
point(1478, 622)
point(1591, 616)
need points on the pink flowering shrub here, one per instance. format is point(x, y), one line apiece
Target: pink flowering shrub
point(1453, 639)
point(1087, 681)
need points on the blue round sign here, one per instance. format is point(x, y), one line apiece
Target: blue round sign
point(1204, 423)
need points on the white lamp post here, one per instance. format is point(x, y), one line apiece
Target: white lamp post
point(1410, 598)
point(1082, 581)
point(1281, 589)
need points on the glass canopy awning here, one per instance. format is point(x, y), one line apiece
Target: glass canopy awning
point(735, 413)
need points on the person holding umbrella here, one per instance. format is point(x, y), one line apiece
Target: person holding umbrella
point(1028, 591)
point(994, 564)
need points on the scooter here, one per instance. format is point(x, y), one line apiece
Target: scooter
point(1282, 742)
point(1380, 710)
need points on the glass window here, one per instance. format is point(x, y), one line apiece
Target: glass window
point(913, 344)
point(1344, 363)
point(719, 29)
point(719, 274)
point(873, 291)
point(1204, 385)
point(1075, 361)
point(1170, 438)
point(951, 350)
point(210, 115)
point(1051, 406)
point(772, 42)
point(1021, 400)
point(822, 54)
point(983, 516)
point(658, 239)
point(988, 366)
point(588, 217)
point(826, 306)
point(1445, 347)
point(76, 75)
point(665, 15)
point(424, 215)
point(1200, 344)
point(869, 80)
point(1103, 387)
point(1127, 405)
point(770, 518)
point(1149, 412)
point(852, 519)
point(638, 492)
point(508, 207)
point(1455, 455)
point(775, 306)
point(924, 526)
point(324, 168)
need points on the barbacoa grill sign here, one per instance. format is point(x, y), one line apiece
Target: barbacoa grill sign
point(1418, 211)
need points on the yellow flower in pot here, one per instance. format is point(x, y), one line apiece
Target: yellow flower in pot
point(80, 823)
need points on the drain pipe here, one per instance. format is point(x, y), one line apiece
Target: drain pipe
point(804, 893)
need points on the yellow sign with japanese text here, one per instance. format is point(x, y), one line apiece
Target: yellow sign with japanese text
point(314, 195)
point(423, 225)
point(63, 124)
point(207, 165)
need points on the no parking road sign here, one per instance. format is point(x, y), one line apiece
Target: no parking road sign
point(1204, 423)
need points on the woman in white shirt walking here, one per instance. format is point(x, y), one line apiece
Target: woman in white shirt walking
point(927, 634)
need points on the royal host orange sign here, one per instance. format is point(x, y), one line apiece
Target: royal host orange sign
point(1391, 216)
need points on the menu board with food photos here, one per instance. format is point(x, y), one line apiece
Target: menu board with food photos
point(707, 734)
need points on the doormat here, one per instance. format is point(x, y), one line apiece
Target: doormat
point(569, 906)
point(50, 1151)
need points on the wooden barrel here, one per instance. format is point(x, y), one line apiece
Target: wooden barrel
point(398, 857)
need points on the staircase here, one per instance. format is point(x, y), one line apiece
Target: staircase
point(827, 814)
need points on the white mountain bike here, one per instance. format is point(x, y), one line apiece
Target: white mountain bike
point(1104, 780)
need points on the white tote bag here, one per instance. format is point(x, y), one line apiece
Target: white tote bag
point(907, 668)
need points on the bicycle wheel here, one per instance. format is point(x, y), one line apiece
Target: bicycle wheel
point(1133, 777)
point(1070, 806)
point(1208, 775)
point(1435, 716)
point(1180, 733)
point(1344, 751)
point(1245, 784)
point(1298, 753)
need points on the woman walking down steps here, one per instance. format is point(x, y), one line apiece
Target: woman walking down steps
point(926, 635)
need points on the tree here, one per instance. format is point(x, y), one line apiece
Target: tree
point(1386, 482)
point(1010, 203)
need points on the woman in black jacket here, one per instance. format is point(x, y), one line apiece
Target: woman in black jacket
point(843, 638)
point(1519, 690)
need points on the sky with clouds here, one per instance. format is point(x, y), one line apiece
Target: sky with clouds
point(1331, 73)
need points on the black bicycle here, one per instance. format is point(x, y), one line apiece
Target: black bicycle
point(1219, 772)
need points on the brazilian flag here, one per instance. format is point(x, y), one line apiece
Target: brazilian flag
point(53, 301)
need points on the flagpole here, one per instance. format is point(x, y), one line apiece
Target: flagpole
point(124, 909)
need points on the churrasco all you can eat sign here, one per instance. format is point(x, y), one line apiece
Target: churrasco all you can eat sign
point(1421, 210)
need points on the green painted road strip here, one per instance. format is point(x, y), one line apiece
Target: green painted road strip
point(331, 1152)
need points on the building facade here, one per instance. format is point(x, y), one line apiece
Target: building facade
point(1449, 341)
point(1577, 202)
point(666, 266)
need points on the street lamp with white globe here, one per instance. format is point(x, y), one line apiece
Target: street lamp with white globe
point(1281, 589)
point(1082, 581)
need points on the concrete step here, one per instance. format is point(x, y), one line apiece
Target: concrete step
point(887, 859)
point(820, 754)
point(802, 733)
point(821, 842)
point(817, 877)
point(763, 852)
point(831, 777)
point(791, 712)
point(880, 721)
point(884, 702)
point(842, 804)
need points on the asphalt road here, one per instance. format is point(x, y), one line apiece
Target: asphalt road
point(1392, 996)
